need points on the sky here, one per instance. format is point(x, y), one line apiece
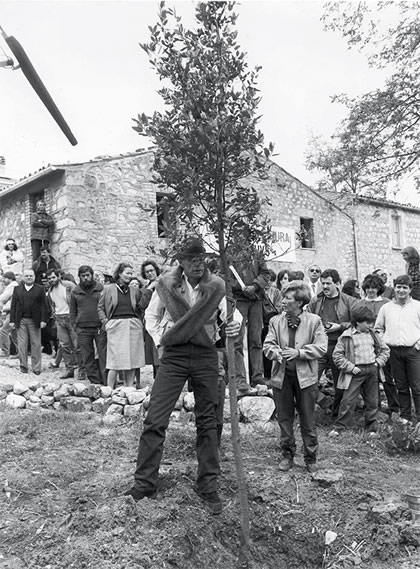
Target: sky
point(87, 54)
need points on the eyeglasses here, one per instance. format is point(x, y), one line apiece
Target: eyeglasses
point(314, 270)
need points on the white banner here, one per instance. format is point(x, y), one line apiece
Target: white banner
point(284, 245)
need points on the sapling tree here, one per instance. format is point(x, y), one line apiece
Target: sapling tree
point(209, 152)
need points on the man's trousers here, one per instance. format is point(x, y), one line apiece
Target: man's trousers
point(178, 364)
point(252, 314)
point(405, 366)
point(87, 338)
point(68, 342)
point(29, 332)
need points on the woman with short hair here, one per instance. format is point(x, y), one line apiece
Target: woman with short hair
point(373, 287)
point(295, 341)
point(120, 310)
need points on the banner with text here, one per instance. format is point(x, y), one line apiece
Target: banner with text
point(284, 245)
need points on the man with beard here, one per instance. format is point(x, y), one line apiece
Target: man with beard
point(60, 292)
point(85, 320)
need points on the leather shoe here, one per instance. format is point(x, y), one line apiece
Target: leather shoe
point(138, 495)
point(67, 375)
point(212, 501)
point(311, 467)
point(36, 372)
point(23, 369)
point(286, 464)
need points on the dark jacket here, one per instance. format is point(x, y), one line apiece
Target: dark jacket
point(42, 226)
point(39, 305)
point(255, 273)
point(343, 309)
point(84, 306)
point(41, 267)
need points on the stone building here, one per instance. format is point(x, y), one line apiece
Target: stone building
point(100, 213)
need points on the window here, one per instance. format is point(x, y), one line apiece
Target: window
point(164, 213)
point(396, 233)
point(306, 233)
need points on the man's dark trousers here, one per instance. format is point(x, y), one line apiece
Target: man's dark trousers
point(86, 337)
point(326, 362)
point(405, 365)
point(252, 314)
point(179, 363)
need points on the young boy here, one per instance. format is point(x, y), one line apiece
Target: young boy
point(359, 355)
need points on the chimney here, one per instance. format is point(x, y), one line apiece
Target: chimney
point(2, 167)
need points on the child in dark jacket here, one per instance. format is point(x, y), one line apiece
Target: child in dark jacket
point(358, 355)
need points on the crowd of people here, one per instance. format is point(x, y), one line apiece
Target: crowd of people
point(295, 329)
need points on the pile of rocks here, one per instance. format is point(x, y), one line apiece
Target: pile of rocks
point(123, 401)
point(79, 396)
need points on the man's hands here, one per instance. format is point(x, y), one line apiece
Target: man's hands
point(249, 291)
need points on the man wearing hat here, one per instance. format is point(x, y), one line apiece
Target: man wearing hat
point(182, 320)
point(10, 283)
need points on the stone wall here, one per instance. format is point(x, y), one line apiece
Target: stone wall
point(374, 238)
point(98, 211)
point(13, 224)
point(99, 218)
point(333, 229)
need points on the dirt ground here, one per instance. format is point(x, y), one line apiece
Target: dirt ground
point(63, 477)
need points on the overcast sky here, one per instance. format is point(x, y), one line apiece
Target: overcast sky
point(88, 56)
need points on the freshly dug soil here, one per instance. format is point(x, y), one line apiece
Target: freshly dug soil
point(64, 476)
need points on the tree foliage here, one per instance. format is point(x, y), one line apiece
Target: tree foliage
point(379, 141)
point(207, 140)
point(209, 153)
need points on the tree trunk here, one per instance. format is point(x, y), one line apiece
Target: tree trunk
point(236, 444)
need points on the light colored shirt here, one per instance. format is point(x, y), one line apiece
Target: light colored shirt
point(158, 321)
point(58, 295)
point(315, 287)
point(400, 324)
point(6, 295)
